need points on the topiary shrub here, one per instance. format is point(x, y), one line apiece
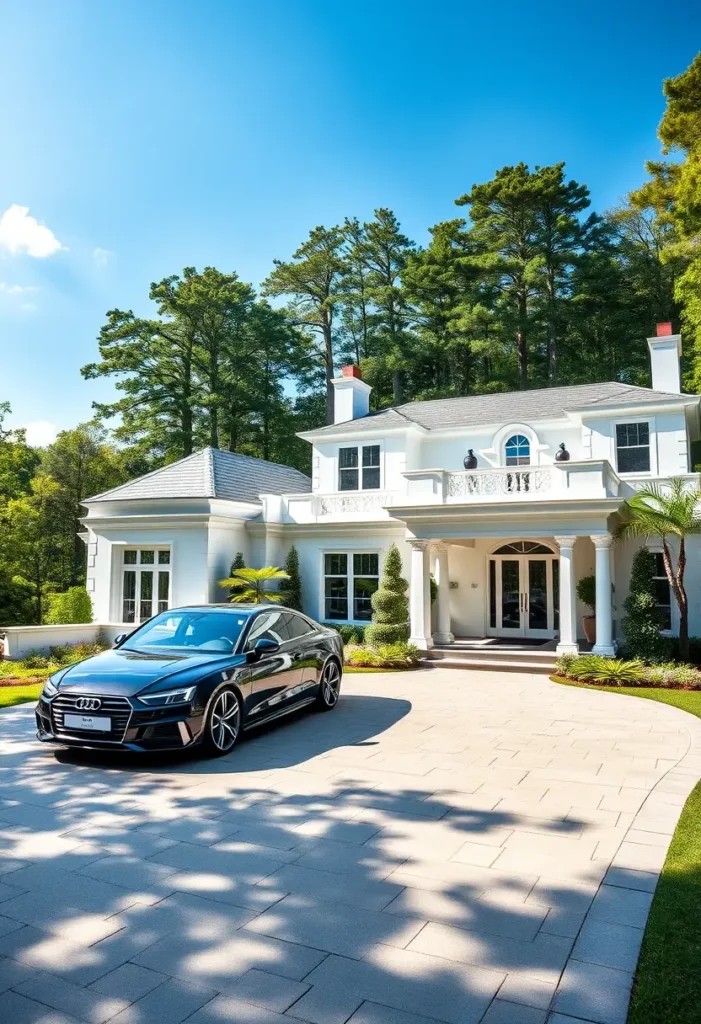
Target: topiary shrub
point(72, 606)
point(238, 563)
point(292, 587)
point(642, 622)
point(586, 591)
point(390, 605)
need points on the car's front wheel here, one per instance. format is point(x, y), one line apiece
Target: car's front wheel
point(223, 723)
point(329, 687)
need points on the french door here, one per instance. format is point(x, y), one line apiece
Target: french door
point(523, 593)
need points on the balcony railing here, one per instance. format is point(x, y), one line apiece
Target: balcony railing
point(513, 482)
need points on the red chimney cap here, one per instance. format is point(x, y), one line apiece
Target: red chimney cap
point(664, 330)
point(353, 371)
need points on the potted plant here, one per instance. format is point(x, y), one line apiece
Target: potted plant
point(586, 592)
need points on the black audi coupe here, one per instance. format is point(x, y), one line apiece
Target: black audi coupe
point(196, 675)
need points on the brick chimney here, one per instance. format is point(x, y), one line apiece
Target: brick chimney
point(665, 354)
point(351, 395)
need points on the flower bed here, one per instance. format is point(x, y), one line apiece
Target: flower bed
point(594, 669)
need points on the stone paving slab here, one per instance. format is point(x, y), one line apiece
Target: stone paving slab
point(464, 848)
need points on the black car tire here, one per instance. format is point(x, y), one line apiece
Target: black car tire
point(329, 686)
point(223, 726)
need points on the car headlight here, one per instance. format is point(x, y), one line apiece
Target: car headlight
point(168, 697)
point(50, 689)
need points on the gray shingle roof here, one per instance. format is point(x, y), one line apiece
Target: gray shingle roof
point(505, 407)
point(211, 473)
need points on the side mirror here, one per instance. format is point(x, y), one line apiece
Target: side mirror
point(264, 646)
point(119, 639)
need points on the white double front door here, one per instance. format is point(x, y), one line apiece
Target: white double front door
point(523, 593)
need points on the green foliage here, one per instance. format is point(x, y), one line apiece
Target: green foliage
point(642, 622)
point(57, 657)
point(396, 655)
point(586, 591)
point(73, 605)
point(668, 513)
point(349, 634)
point(390, 605)
point(672, 676)
point(248, 586)
point(614, 671)
point(291, 587)
point(238, 563)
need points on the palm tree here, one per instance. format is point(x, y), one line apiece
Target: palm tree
point(672, 512)
point(248, 585)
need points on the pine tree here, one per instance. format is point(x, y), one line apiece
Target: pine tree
point(642, 623)
point(292, 586)
point(390, 605)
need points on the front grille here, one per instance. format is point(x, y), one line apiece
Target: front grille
point(117, 708)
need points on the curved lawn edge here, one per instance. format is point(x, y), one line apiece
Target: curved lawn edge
point(667, 984)
point(11, 696)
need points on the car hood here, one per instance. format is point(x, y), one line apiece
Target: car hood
point(126, 672)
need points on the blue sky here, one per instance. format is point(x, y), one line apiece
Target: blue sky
point(151, 136)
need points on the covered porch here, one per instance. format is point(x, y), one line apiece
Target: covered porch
point(507, 578)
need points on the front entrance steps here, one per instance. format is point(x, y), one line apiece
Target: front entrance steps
point(494, 655)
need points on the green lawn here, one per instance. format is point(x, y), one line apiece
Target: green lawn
point(667, 986)
point(11, 695)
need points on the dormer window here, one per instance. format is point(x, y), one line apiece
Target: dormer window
point(517, 451)
point(359, 468)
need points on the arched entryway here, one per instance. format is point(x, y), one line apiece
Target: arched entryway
point(523, 580)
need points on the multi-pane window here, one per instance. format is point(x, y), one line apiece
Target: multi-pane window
point(517, 451)
point(633, 447)
point(359, 468)
point(145, 583)
point(663, 598)
point(350, 580)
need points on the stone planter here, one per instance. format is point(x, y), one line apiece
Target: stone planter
point(589, 625)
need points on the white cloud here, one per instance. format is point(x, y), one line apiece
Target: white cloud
point(15, 289)
point(101, 257)
point(40, 433)
point(20, 232)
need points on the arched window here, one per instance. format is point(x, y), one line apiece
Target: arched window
point(517, 451)
point(523, 547)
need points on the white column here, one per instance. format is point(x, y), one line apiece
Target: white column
point(604, 611)
point(420, 595)
point(568, 599)
point(443, 634)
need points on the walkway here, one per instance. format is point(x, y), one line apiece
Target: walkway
point(445, 846)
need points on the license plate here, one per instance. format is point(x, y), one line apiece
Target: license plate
point(87, 722)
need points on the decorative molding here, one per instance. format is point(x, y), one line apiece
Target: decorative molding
point(418, 545)
point(350, 504)
point(565, 543)
point(602, 540)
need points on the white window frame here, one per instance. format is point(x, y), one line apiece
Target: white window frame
point(350, 576)
point(498, 450)
point(359, 449)
point(138, 568)
point(652, 436)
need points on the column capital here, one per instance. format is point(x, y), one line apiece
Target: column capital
point(565, 542)
point(602, 540)
point(439, 546)
point(418, 545)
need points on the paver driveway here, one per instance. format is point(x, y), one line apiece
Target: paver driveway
point(446, 846)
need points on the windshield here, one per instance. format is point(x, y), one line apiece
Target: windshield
point(189, 629)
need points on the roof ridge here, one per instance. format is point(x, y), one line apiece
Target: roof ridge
point(210, 487)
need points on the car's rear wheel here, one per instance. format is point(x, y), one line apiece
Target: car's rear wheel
point(329, 687)
point(223, 723)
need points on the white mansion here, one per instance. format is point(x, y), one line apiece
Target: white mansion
point(471, 490)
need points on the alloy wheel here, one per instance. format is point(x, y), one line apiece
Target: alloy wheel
point(225, 720)
point(330, 684)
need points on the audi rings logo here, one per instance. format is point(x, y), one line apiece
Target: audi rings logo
point(88, 704)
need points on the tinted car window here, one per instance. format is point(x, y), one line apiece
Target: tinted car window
point(204, 630)
point(268, 626)
point(297, 626)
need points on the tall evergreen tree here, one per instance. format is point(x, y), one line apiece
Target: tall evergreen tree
point(313, 280)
